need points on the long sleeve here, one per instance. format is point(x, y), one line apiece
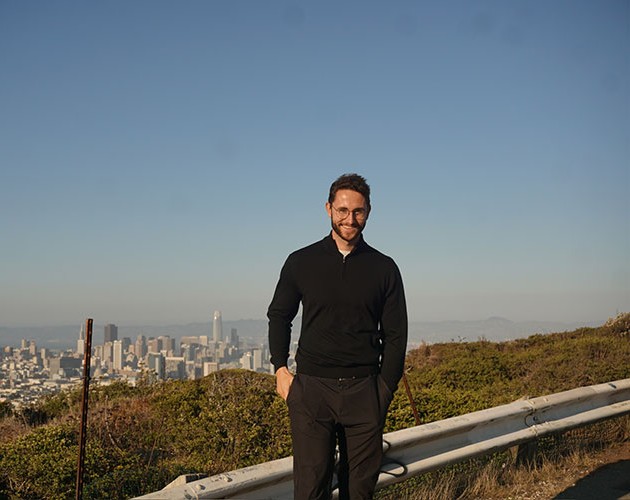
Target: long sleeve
point(394, 331)
point(282, 310)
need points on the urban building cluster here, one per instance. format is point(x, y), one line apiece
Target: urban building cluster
point(27, 373)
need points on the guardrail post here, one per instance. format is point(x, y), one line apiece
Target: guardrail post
point(526, 453)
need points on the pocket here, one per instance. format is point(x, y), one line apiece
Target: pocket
point(292, 388)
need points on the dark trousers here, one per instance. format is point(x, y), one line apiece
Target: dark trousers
point(324, 412)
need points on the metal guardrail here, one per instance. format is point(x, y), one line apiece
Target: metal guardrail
point(427, 447)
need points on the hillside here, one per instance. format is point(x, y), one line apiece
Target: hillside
point(455, 378)
point(140, 438)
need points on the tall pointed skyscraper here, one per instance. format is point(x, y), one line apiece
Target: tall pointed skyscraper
point(81, 342)
point(217, 327)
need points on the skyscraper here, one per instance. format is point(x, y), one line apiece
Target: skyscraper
point(141, 346)
point(111, 333)
point(81, 342)
point(118, 355)
point(233, 337)
point(217, 327)
point(156, 363)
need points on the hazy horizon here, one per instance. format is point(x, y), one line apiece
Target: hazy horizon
point(231, 320)
point(200, 322)
point(492, 329)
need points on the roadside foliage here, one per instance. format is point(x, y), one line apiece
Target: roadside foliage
point(141, 438)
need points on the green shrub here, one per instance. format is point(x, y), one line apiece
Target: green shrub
point(141, 438)
point(41, 464)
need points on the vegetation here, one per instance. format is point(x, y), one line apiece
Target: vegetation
point(141, 438)
point(452, 379)
point(561, 461)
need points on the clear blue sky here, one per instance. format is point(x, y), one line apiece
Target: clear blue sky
point(159, 160)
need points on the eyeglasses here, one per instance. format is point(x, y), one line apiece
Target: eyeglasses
point(343, 212)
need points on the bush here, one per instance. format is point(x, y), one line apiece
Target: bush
point(41, 464)
point(227, 420)
point(141, 438)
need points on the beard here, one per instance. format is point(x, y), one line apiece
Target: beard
point(348, 231)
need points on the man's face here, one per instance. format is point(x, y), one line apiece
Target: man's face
point(348, 214)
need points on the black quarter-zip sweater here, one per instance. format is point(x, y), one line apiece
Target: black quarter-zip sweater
point(354, 316)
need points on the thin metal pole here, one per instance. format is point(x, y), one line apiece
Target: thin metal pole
point(84, 406)
point(413, 404)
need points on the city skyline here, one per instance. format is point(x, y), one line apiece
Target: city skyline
point(420, 332)
point(30, 371)
point(160, 161)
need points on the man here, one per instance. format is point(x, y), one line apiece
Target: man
point(351, 349)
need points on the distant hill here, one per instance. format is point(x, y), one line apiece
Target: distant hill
point(255, 330)
point(495, 329)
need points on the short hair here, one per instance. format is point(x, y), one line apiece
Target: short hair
point(353, 182)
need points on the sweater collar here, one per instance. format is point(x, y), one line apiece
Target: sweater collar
point(331, 245)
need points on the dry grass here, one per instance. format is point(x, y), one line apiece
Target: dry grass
point(12, 427)
point(559, 463)
point(549, 479)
